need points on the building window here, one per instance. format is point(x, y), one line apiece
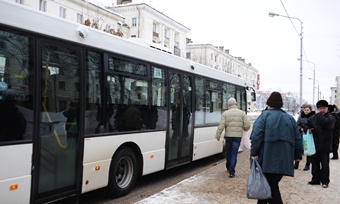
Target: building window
point(79, 18)
point(62, 12)
point(19, 1)
point(177, 51)
point(43, 5)
point(166, 33)
point(134, 22)
point(154, 27)
point(133, 36)
point(107, 28)
point(188, 55)
point(176, 37)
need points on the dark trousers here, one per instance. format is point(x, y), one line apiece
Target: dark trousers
point(308, 160)
point(335, 148)
point(320, 167)
point(273, 180)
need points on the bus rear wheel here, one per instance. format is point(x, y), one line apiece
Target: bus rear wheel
point(123, 173)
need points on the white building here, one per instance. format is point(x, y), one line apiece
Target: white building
point(84, 12)
point(153, 26)
point(219, 58)
point(335, 94)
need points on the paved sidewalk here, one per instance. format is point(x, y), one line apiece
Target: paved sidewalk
point(215, 186)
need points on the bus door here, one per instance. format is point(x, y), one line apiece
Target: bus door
point(180, 134)
point(56, 160)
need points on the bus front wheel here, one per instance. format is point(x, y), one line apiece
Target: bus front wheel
point(123, 173)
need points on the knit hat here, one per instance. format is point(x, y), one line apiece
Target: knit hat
point(322, 103)
point(275, 100)
point(232, 101)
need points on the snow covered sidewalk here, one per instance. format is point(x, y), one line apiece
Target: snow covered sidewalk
point(215, 186)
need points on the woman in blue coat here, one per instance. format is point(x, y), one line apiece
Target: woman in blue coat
point(276, 143)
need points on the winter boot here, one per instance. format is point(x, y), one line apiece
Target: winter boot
point(307, 163)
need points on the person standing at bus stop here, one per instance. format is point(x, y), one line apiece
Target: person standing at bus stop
point(233, 121)
point(321, 125)
point(276, 143)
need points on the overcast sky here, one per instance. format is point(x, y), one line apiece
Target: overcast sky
point(271, 45)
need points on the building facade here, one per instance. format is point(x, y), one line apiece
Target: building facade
point(335, 95)
point(220, 59)
point(153, 26)
point(84, 12)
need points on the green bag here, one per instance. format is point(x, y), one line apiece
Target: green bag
point(308, 144)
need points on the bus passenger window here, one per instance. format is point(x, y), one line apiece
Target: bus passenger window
point(200, 101)
point(158, 108)
point(93, 112)
point(16, 104)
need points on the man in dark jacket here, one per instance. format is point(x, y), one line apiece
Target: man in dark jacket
point(321, 125)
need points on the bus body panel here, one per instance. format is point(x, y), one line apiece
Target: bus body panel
point(95, 179)
point(17, 173)
point(20, 195)
point(8, 157)
point(98, 151)
point(205, 143)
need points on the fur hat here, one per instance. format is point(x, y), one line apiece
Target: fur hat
point(275, 100)
point(322, 103)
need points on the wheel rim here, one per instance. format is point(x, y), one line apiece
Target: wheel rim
point(124, 172)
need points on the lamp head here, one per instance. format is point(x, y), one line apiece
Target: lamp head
point(271, 14)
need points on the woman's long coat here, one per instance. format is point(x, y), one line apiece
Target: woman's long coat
point(276, 140)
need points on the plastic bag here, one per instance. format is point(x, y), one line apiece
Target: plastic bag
point(245, 142)
point(257, 184)
point(308, 144)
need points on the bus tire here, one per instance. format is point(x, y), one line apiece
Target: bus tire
point(123, 173)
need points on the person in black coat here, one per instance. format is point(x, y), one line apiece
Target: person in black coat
point(302, 123)
point(321, 126)
point(336, 131)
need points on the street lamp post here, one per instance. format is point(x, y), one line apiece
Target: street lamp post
point(312, 79)
point(319, 94)
point(315, 87)
point(271, 14)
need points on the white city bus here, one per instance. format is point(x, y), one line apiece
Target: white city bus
point(81, 109)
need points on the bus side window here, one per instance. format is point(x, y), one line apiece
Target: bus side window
point(16, 105)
